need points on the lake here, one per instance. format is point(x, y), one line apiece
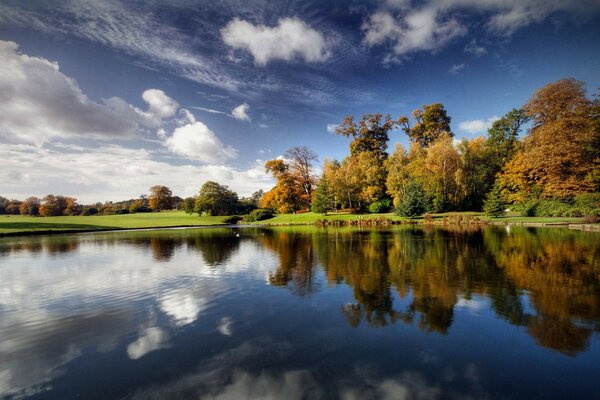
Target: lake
point(302, 313)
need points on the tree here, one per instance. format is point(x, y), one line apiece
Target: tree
point(494, 205)
point(323, 198)
point(31, 206)
point(287, 196)
point(397, 173)
point(14, 207)
point(413, 202)
point(503, 137)
point(188, 205)
point(161, 198)
point(3, 204)
point(71, 208)
point(370, 134)
point(216, 199)
point(442, 165)
point(53, 206)
point(429, 124)
point(301, 167)
point(477, 174)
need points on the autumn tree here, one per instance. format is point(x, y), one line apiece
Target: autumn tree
point(477, 173)
point(559, 156)
point(216, 199)
point(397, 173)
point(53, 206)
point(442, 165)
point(31, 206)
point(301, 160)
point(288, 195)
point(428, 124)
point(161, 198)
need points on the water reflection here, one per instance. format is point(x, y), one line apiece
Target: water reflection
point(297, 312)
point(558, 271)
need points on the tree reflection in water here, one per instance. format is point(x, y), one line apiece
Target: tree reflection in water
point(546, 280)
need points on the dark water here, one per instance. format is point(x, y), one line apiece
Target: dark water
point(301, 313)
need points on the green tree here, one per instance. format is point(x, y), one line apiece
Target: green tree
point(503, 137)
point(3, 204)
point(188, 205)
point(429, 124)
point(161, 198)
point(413, 202)
point(216, 199)
point(494, 204)
point(370, 134)
point(323, 197)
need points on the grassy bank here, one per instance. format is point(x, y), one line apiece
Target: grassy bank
point(14, 224)
point(26, 224)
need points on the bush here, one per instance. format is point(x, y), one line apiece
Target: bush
point(122, 211)
point(231, 219)
point(591, 219)
point(144, 209)
point(259, 214)
point(428, 218)
point(380, 206)
point(90, 211)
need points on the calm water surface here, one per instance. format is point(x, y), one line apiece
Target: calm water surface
point(301, 313)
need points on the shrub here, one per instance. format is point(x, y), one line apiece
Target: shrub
point(90, 211)
point(428, 218)
point(591, 219)
point(380, 206)
point(122, 211)
point(259, 214)
point(231, 219)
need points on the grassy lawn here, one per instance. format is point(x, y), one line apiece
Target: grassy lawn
point(20, 223)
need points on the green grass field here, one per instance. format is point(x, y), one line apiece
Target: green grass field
point(10, 224)
point(20, 223)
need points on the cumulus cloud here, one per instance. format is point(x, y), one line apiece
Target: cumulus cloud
point(456, 69)
point(434, 24)
point(196, 141)
point(150, 339)
point(39, 102)
point(241, 112)
point(89, 174)
point(424, 29)
point(292, 38)
point(477, 125)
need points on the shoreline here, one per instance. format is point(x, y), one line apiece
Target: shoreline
point(335, 223)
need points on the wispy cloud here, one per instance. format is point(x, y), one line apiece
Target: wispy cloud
point(456, 69)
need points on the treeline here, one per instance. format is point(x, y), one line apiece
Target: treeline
point(552, 168)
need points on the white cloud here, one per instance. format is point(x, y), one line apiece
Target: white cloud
point(436, 23)
point(39, 102)
point(241, 112)
point(456, 69)
point(477, 125)
point(225, 326)
point(475, 49)
point(292, 38)
point(150, 339)
point(196, 141)
point(112, 172)
point(423, 29)
point(331, 128)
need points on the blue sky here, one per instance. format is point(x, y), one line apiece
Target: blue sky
point(102, 99)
